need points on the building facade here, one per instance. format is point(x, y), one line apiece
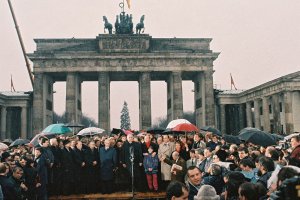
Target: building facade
point(16, 115)
point(273, 107)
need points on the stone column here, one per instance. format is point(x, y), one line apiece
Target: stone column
point(145, 100)
point(3, 122)
point(73, 98)
point(257, 114)
point(104, 101)
point(276, 113)
point(266, 114)
point(249, 114)
point(9, 123)
point(288, 105)
point(209, 99)
point(242, 116)
point(223, 118)
point(24, 122)
point(38, 103)
point(199, 100)
point(175, 103)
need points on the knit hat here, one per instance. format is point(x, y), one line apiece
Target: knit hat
point(207, 192)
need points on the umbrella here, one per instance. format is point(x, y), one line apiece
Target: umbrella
point(7, 141)
point(212, 130)
point(277, 137)
point(117, 131)
point(175, 122)
point(185, 128)
point(19, 142)
point(232, 139)
point(127, 132)
point(91, 131)
point(256, 136)
point(57, 129)
point(35, 140)
point(3, 146)
point(290, 136)
point(155, 130)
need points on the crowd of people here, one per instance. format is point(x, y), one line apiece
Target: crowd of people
point(190, 166)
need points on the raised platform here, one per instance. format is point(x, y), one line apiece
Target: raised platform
point(118, 195)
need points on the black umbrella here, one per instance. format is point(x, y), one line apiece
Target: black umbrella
point(116, 131)
point(155, 130)
point(169, 131)
point(211, 129)
point(277, 137)
point(19, 142)
point(232, 139)
point(256, 136)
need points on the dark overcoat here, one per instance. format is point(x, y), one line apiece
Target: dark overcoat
point(108, 162)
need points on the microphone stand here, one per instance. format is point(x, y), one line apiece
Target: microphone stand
point(132, 170)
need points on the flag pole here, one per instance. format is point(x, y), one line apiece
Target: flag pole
point(21, 43)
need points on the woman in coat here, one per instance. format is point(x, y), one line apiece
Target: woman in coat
point(108, 164)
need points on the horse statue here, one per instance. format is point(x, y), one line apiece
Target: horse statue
point(107, 25)
point(140, 26)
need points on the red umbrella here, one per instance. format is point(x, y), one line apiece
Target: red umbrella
point(185, 128)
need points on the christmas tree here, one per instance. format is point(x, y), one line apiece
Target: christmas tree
point(125, 119)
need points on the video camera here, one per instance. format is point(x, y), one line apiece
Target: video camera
point(288, 190)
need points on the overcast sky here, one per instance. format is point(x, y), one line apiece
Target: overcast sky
point(258, 40)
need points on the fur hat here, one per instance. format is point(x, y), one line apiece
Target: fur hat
point(207, 192)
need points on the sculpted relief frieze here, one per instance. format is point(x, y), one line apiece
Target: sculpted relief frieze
point(123, 43)
point(91, 63)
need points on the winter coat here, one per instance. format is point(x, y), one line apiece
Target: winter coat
point(151, 162)
point(215, 181)
point(137, 155)
point(108, 162)
point(166, 149)
point(179, 176)
point(42, 169)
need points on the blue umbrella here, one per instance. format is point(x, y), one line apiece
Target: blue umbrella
point(57, 129)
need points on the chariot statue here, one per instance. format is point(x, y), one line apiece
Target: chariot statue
point(124, 23)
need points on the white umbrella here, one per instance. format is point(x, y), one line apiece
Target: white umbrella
point(175, 122)
point(3, 146)
point(290, 136)
point(90, 131)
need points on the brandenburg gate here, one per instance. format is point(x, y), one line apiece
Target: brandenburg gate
point(123, 57)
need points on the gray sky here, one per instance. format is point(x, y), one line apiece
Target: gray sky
point(258, 40)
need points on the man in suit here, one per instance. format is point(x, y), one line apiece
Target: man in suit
point(193, 160)
point(205, 164)
point(41, 168)
point(178, 167)
point(147, 143)
point(132, 151)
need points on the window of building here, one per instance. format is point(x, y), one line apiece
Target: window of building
point(270, 108)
